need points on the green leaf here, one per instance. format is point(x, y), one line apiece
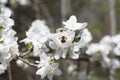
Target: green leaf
point(30, 46)
point(52, 62)
point(1, 42)
point(77, 39)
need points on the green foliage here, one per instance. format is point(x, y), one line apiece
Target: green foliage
point(52, 62)
point(77, 39)
point(30, 46)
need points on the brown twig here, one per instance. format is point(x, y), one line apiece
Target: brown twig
point(27, 62)
point(24, 54)
point(9, 72)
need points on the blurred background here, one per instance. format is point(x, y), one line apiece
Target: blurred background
point(102, 16)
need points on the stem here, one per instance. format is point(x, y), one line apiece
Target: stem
point(9, 72)
point(24, 54)
point(27, 62)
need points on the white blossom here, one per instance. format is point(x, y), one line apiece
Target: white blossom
point(5, 21)
point(116, 38)
point(97, 51)
point(37, 35)
point(110, 63)
point(116, 50)
point(96, 48)
point(10, 41)
point(3, 1)
point(40, 26)
point(3, 67)
point(6, 12)
point(62, 43)
point(107, 40)
point(73, 25)
point(111, 41)
point(63, 39)
point(47, 67)
point(86, 37)
point(5, 55)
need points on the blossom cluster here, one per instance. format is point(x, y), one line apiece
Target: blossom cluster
point(68, 42)
point(51, 47)
point(106, 51)
point(8, 41)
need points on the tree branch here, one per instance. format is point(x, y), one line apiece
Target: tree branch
point(9, 72)
point(27, 62)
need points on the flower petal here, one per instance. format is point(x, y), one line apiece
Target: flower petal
point(58, 54)
point(74, 55)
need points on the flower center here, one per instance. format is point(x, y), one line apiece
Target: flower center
point(63, 39)
point(51, 70)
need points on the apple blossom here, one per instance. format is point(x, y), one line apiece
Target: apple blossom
point(5, 20)
point(86, 37)
point(3, 1)
point(73, 25)
point(97, 51)
point(3, 67)
point(62, 43)
point(39, 30)
point(47, 67)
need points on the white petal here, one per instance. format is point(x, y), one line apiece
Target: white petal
point(43, 71)
point(76, 48)
point(44, 57)
point(73, 19)
point(58, 54)
point(39, 72)
point(64, 53)
point(9, 22)
point(80, 26)
point(50, 76)
point(74, 55)
point(52, 45)
point(43, 39)
point(36, 51)
point(6, 55)
point(6, 12)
